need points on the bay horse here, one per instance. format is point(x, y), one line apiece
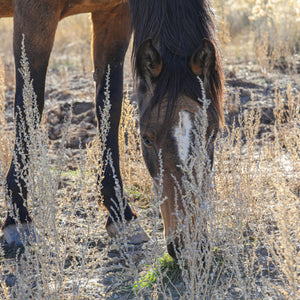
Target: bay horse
point(174, 43)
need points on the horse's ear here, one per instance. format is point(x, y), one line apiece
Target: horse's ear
point(148, 60)
point(203, 61)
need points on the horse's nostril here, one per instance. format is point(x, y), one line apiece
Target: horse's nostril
point(174, 249)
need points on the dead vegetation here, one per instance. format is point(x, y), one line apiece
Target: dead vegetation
point(251, 200)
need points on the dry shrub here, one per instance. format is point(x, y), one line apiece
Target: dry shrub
point(223, 33)
point(272, 26)
point(136, 178)
point(240, 222)
point(279, 21)
point(250, 205)
point(72, 45)
point(235, 13)
point(58, 262)
point(256, 192)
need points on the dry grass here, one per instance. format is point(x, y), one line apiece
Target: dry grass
point(137, 180)
point(72, 47)
point(269, 30)
point(251, 205)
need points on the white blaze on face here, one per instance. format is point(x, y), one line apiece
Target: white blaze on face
point(182, 134)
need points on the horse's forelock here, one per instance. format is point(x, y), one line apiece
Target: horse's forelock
point(178, 28)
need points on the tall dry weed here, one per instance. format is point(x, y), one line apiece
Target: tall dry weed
point(240, 222)
point(272, 26)
point(277, 39)
point(60, 249)
point(257, 185)
point(137, 181)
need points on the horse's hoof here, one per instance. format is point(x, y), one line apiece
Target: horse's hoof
point(138, 236)
point(135, 235)
point(19, 234)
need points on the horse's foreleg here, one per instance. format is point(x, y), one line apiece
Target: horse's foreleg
point(37, 23)
point(111, 34)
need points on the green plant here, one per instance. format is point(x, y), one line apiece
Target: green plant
point(165, 267)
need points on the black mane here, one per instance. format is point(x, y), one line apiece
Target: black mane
point(178, 27)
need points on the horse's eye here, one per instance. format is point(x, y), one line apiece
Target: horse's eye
point(146, 141)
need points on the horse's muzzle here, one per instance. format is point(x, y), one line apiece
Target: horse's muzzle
point(174, 248)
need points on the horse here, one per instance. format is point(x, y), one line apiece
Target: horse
point(174, 46)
